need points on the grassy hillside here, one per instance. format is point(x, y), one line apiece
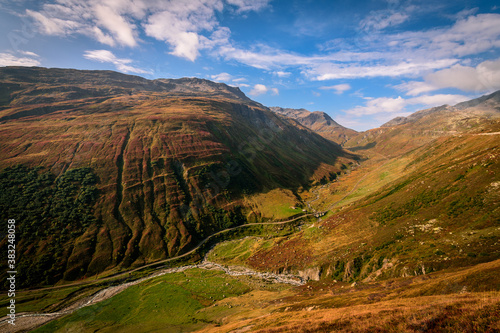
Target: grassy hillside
point(430, 209)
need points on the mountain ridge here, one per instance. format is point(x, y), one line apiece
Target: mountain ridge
point(31, 81)
point(492, 100)
point(318, 121)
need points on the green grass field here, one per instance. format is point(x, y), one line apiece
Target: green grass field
point(169, 303)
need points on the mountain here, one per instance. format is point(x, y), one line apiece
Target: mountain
point(318, 121)
point(106, 171)
point(487, 106)
point(403, 134)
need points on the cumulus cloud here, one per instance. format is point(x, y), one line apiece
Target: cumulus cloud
point(379, 105)
point(7, 59)
point(338, 88)
point(187, 26)
point(180, 24)
point(260, 89)
point(122, 64)
point(485, 77)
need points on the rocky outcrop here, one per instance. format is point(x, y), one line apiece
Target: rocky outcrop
point(313, 273)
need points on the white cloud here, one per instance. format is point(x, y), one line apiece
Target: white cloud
point(229, 79)
point(377, 111)
point(29, 54)
point(382, 19)
point(248, 5)
point(187, 26)
point(282, 74)
point(179, 25)
point(53, 25)
point(339, 88)
point(406, 54)
point(122, 64)
point(7, 59)
point(471, 35)
point(436, 100)
point(122, 31)
point(263, 57)
point(379, 105)
point(465, 13)
point(414, 88)
point(391, 107)
point(222, 77)
point(258, 89)
point(485, 77)
point(332, 71)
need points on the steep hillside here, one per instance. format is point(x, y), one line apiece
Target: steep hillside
point(319, 122)
point(104, 170)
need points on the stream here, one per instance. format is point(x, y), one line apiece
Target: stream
point(29, 321)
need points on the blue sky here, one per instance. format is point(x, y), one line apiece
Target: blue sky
point(362, 62)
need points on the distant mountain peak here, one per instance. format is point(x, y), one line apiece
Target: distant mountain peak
point(481, 106)
point(318, 121)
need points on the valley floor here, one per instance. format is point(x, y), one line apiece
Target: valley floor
point(208, 300)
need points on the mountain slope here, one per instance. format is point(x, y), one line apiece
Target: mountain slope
point(422, 203)
point(403, 134)
point(318, 121)
point(150, 167)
